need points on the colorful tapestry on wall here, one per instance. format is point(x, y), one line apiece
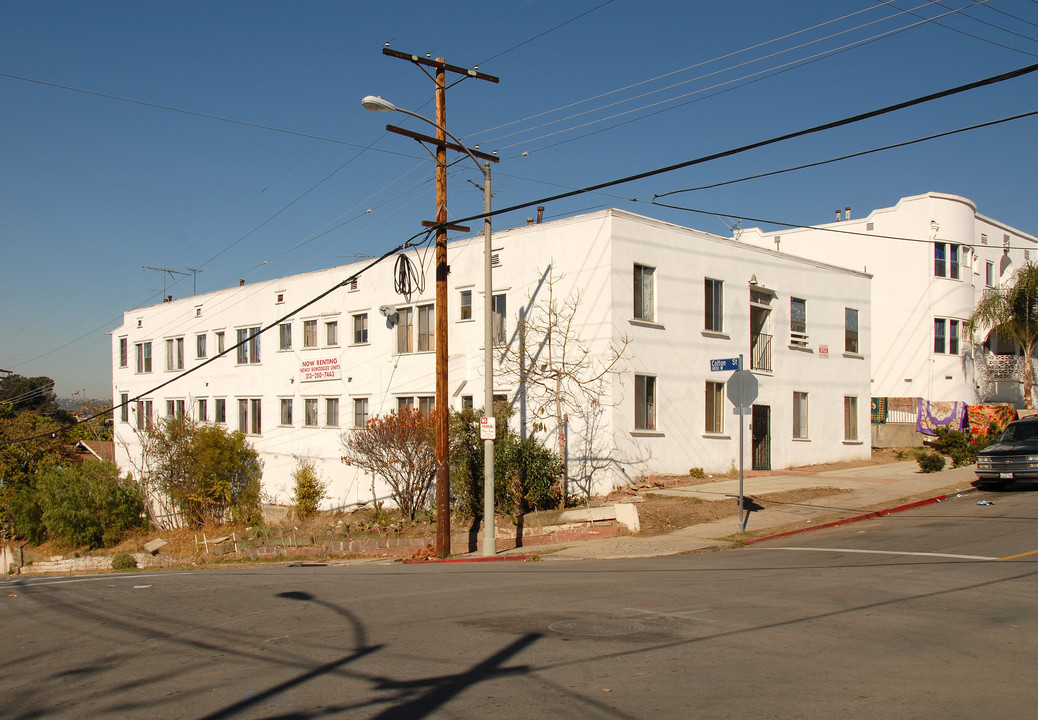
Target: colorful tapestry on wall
point(981, 417)
point(879, 410)
point(933, 415)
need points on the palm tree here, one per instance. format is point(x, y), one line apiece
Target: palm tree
point(1011, 312)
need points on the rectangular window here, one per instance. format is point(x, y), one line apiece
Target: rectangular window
point(953, 262)
point(953, 337)
point(331, 412)
point(310, 412)
point(850, 330)
point(714, 421)
point(467, 402)
point(360, 329)
point(124, 352)
point(144, 415)
point(309, 333)
point(124, 407)
point(939, 335)
point(331, 333)
point(360, 412)
point(426, 405)
point(989, 274)
point(405, 330)
point(144, 357)
point(243, 416)
point(220, 346)
point(403, 403)
point(248, 345)
point(286, 411)
point(220, 410)
point(175, 354)
point(940, 262)
point(285, 336)
point(798, 319)
point(644, 293)
point(175, 408)
point(500, 325)
point(203, 410)
point(255, 426)
point(644, 402)
point(200, 348)
point(465, 304)
point(426, 328)
point(800, 415)
point(714, 290)
point(850, 418)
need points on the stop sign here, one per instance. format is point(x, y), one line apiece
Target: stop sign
point(742, 388)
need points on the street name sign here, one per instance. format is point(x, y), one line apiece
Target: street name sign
point(724, 364)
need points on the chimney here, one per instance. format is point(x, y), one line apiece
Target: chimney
point(529, 222)
point(241, 283)
point(540, 214)
point(847, 213)
point(838, 218)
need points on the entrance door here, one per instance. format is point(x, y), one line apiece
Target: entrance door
point(762, 437)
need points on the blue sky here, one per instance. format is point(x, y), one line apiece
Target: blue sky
point(145, 167)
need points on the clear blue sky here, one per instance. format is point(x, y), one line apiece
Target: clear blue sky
point(95, 187)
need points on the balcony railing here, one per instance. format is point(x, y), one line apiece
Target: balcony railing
point(760, 352)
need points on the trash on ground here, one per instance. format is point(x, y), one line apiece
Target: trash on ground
point(985, 502)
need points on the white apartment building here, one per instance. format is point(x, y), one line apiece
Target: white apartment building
point(931, 257)
point(681, 297)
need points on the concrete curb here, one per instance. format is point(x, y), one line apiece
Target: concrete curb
point(496, 558)
point(864, 516)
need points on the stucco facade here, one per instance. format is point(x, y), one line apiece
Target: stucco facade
point(931, 257)
point(701, 297)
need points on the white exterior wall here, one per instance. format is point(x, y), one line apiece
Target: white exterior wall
point(594, 253)
point(906, 294)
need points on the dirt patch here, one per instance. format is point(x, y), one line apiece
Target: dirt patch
point(661, 514)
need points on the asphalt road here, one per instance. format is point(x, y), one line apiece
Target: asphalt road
point(914, 615)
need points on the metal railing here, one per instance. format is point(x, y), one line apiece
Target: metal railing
point(760, 352)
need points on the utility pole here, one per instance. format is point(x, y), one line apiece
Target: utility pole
point(440, 67)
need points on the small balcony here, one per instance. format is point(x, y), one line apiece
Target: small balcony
point(760, 352)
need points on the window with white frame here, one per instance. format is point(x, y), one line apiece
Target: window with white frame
point(644, 402)
point(248, 345)
point(360, 412)
point(286, 411)
point(250, 421)
point(798, 321)
point(500, 319)
point(940, 335)
point(714, 404)
point(465, 305)
point(799, 415)
point(714, 297)
point(309, 333)
point(202, 410)
point(220, 346)
point(143, 357)
point(360, 329)
point(426, 403)
point(175, 408)
point(426, 328)
point(405, 330)
point(850, 417)
point(644, 293)
point(124, 352)
point(331, 412)
point(220, 410)
point(175, 353)
point(850, 331)
point(124, 407)
point(144, 410)
point(200, 346)
point(953, 262)
point(989, 274)
point(404, 402)
point(310, 412)
point(331, 333)
point(940, 259)
point(285, 336)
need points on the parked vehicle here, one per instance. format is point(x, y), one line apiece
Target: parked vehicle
point(1014, 456)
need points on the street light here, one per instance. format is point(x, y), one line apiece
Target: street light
point(375, 103)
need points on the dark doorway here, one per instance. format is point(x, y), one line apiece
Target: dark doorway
point(761, 437)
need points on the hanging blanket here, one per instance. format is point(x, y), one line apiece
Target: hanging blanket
point(879, 410)
point(981, 417)
point(933, 415)
point(902, 405)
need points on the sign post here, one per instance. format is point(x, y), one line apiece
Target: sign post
point(742, 391)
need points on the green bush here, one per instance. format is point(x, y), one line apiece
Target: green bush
point(124, 561)
point(930, 461)
point(959, 446)
point(89, 504)
point(309, 490)
point(697, 472)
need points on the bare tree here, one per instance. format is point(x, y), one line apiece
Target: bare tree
point(559, 372)
point(400, 448)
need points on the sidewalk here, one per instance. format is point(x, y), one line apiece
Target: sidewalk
point(872, 487)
